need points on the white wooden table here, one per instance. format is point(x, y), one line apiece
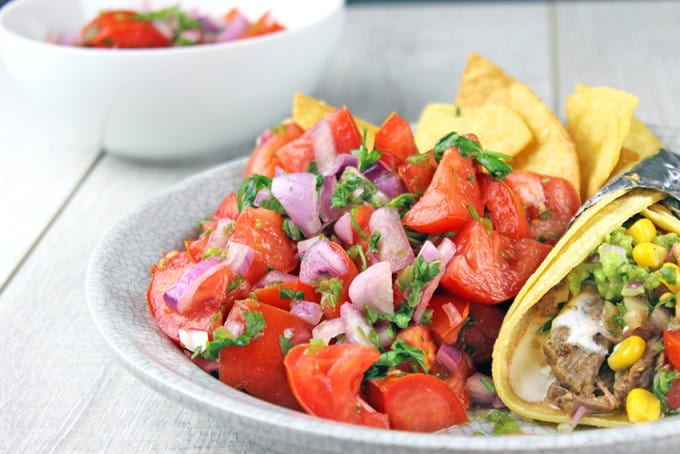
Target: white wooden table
point(62, 390)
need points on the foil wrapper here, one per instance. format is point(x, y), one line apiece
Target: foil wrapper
point(660, 172)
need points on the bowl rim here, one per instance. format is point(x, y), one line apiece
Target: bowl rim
point(332, 8)
point(271, 418)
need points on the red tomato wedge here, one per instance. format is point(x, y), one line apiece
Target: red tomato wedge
point(262, 230)
point(395, 136)
point(448, 315)
point(346, 135)
point(257, 367)
point(263, 159)
point(416, 402)
point(671, 347)
point(228, 209)
point(450, 199)
point(549, 203)
point(326, 380)
point(417, 172)
point(673, 395)
point(205, 316)
point(489, 267)
point(120, 28)
point(196, 248)
point(272, 294)
point(264, 25)
point(478, 336)
point(503, 208)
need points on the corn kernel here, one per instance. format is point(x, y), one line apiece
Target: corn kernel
point(642, 406)
point(642, 231)
point(649, 254)
point(626, 353)
point(671, 281)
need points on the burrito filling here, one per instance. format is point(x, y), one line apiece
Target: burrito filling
point(602, 346)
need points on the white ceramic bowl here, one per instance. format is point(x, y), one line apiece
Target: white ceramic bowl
point(174, 102)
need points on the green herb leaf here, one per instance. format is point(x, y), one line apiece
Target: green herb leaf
point(495, 163)
point(285, 344)
point(255, 324)
point(290, 294)
point(247, 191)
point(366, 157)
point(355, 189)
point(399, 353)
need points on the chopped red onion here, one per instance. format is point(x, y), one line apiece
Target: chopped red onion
point(219, 238)
point(185, 283)
point(239, 257)
point(234, 29)
point(449, 356)
point(324, 145)
point(261, 196)
point(357, 329)
point(343, 228)
point(341, 161)
point(373, 288)
point(298, 196)
point(385, 334)
point(187, 298)
point(207, 23)
point(164, 28)
point(444, 253)
point(67, 38)
point(387, 181)
point(321, 261)
point(304, 245)
point(307, 311)
point(274, 277)
point(481, 390)
point(579, 413)
point(234, 326)
point(191, 35)
point(191, 339)
point(393, 245)
point(326, 211)
point(328, 330)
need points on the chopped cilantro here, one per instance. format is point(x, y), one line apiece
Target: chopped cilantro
point(211, 251)
point(419, 159)
point(503, 422)
point(246, 193)
point(290, 294)
point(357, 251)
point(473, 212)
point(354, 189)
point(255, 324)
point(405, 200)
point(291, 230)
point(662, 384)
point(490, 388)
point(668, 274)
point(329, 289)
point(545, 215)
point(399, 353)
point(286, 344)
point(495, 163)
point(458, 111)
point(373, 242)
point(366, 157)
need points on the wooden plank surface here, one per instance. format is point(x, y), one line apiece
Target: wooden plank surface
point(61, 390)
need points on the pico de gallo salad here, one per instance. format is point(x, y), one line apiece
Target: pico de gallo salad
point(363, 285)
point(166, 27)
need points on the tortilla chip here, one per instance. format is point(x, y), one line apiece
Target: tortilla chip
point(552, 151)
point(598, 119)
point(641, 141)
point(307, 111)
point(498, 127)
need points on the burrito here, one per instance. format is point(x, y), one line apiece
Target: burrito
point(589, 339)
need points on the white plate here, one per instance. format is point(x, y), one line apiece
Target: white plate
point(117, 279)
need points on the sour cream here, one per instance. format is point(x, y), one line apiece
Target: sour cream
point(583, 327)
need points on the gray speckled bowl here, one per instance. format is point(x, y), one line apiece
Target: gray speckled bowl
point(117, 280)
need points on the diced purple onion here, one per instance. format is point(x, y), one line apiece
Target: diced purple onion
point(298, 196)
point(234, 29)
point(324, 145)
point(261, 196)
point(219, 238)
point(444, 253)
point(164, 28)
point(340, 163)
point(449, 356)
point(67, 39)
point(235, 327)
point(185, 284)
point(304, 245)
point(274, 277)
point(343, 228)
point(191, 339)
point(308, 311)
point(385, 334)
point(387, 181)
point(328, 330)
point(357, 329)
point(478, 392)
point(321, 261)
point(326, 210)
point(191, 35)
point(373, 288)
point(393, 245)
point(207, 23)
point(239, 257)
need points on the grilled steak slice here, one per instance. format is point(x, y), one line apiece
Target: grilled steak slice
point(601, 401)
point(639, 375)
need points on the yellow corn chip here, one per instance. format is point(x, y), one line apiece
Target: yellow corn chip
point(307, 111)
point(498, 127)
point(598, 119)
point(552, 152)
